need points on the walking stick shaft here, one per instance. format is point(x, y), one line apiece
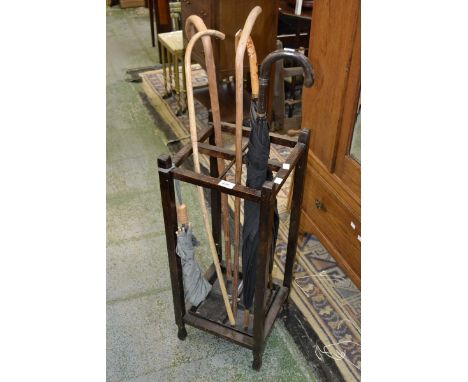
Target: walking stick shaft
point(195, 24)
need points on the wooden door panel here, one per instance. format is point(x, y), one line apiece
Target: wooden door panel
point(330, 51)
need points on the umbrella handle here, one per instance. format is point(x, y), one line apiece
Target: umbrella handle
point(265, 68)
point(182, 214)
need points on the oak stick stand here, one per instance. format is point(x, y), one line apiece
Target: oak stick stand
point(210, 315)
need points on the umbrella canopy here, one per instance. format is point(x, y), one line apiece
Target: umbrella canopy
point(196, 287)
point(258, 172)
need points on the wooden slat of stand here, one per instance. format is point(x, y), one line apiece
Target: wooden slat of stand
point(292, 160)
point(222, 331)
point(274, 138)
point(204, 134)
point(213, 183)
point(186, 151)
point(274, 310)
point(223, 153)
point(216, 322)
point(231, 163)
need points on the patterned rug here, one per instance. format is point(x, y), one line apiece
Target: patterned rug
point(327, 298)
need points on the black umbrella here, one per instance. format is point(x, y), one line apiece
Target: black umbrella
point(257, 169)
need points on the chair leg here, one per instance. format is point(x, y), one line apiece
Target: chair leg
point(165, 70)
point(177, 84)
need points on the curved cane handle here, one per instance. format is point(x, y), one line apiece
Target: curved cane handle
point(194, 24)
point(190, 99)
point(253, 64)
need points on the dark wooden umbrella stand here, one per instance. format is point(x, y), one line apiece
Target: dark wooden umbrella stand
point(211, 315)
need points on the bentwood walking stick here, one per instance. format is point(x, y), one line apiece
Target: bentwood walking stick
point(195, 24)
point(193, 136)
point(239, 66)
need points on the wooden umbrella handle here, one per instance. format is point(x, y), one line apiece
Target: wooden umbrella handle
point(194, 139)
point(253, 64)
point(182, 215)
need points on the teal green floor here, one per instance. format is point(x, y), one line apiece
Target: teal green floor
point(142, 344)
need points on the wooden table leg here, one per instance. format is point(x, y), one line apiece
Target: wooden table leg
point(294, 220)
point(169, 64)
point(183, 92)
point(266, 224)
point(151, 16)
point(177, 84)
point(164, 63)
point(166, 182)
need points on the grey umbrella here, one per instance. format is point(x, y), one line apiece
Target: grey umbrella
point(196, 287)
point(257, 169)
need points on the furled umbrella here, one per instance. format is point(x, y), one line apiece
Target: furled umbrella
point(196, 287)
point(258, 172)
point(239, 66)
point(252, 54)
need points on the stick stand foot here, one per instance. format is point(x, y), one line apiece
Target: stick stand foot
point(257, 362)
point(182, 333)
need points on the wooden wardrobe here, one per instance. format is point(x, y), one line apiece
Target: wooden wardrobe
point(332, 195)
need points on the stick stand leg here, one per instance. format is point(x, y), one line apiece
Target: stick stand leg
point(298, 192)
point(266, 222)
point(166, 182)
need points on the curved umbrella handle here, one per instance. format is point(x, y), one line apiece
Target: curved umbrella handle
point(265, 68)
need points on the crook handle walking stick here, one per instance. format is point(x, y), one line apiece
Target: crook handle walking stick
point(193, 136)
point(195, 24)
point(239, 65)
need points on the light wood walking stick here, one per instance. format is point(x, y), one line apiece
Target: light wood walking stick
point(239, 65)
point(252, 53)
point(193, 136)
point(253, 64)
point(195, 24)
